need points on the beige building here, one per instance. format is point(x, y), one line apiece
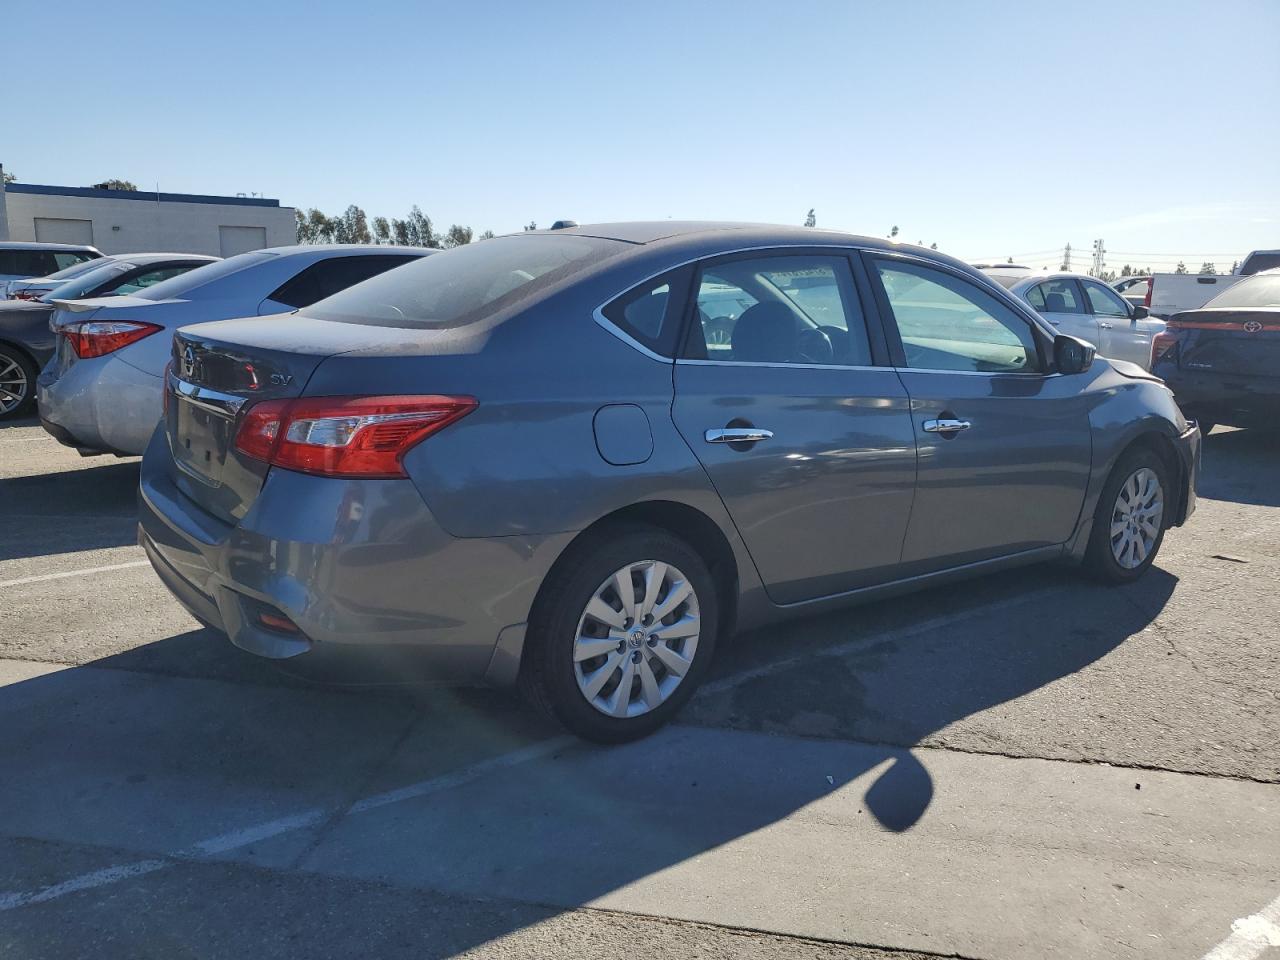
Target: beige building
point(129, 221)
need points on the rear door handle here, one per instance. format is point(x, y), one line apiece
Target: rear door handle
point(737, 435)
point(946, 426)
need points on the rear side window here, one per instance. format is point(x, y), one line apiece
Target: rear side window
point(28, 263)
point(1257, 262)
point(1055, 296)
point(70, 259)
point(327, 277)
point(149, 279)
point(785, 309)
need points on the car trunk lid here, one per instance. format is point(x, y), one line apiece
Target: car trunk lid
point(1229, 341)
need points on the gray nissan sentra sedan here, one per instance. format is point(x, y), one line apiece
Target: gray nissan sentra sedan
point(524, 460)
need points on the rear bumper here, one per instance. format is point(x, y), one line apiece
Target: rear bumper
point(361, 567)
point(103, 404)
point(1237, 401)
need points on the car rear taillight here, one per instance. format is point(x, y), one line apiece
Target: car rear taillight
point(28, 294)
point(345, 436)
point(1151, 285)
point(97, 338)
point(1162, 343)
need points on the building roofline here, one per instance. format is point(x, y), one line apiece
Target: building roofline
point(47, 190)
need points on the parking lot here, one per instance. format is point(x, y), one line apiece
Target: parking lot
point(1026, 765)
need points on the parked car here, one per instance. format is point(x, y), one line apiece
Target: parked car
point(1258, 261)
point(34, 287)
point(101, 391)
point(521, 460)
point(1087, 308)
point(1170, 293)
point(26, 340)
point(19, 259)
point(1133, 289)
point(1223, 360)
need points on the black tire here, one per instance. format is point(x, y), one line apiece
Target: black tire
point(548, 676)
point(1100, 559)
point(26, 370)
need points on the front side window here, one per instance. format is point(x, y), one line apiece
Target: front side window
point(1104, 302)
point(1055, 296)
point(947, 323)
point(784, 309)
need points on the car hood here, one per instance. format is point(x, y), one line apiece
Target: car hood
point(1133, 371)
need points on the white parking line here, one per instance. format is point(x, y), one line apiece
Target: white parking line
point(925, 626)
point(273, 828)
point(74, 573)
point(23, 439)
point(1250, 935)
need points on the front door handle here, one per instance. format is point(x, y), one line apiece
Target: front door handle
point(1104, 326)
point(946, 426)
point(737, 435)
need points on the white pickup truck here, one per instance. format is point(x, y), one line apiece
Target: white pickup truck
point(1170, 293)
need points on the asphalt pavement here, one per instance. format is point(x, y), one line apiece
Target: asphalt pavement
point(1022, 766)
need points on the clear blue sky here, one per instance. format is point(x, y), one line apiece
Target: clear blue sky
point(989, 128)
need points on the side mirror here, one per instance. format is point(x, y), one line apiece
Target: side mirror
point(1071, 355)
point(1140, 312)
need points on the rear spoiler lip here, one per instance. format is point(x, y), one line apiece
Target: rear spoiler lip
point(1226, 318)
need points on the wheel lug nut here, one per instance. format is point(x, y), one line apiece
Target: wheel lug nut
point(635, 657)
point(653, 641)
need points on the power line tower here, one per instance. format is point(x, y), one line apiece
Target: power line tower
point(1066, 257)
point(1099, 259)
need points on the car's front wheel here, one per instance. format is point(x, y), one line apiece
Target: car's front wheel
point(622, 634)
point(17, 383)
point(1131, 517)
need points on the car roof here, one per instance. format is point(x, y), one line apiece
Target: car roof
point(36, 245)
point(653, 231)
point(139, 259)
point(357, 249)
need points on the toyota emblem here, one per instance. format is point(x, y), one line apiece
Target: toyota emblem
point(188, 362)
point(1252, 326)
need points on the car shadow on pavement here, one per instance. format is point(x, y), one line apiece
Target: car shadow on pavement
point(1242, 466)
point(69, 511)
point(157, 749)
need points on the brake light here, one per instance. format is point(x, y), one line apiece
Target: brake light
point(97, 338)
point(165, 391)
point(28, 294)
point(345, 436)
point(1151, 285)
point(1162, 343)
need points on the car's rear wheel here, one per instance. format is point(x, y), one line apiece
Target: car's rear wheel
point(1131, 517)
point(621, 636)
point(17, 383)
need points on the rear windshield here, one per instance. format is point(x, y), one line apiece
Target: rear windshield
point(1006, 281)
point(78, 268)
point(1257, 262)
point(77, 287)
point(462, 285)
point(182, 285)
point(1258, 291)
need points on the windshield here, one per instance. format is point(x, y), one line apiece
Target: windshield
point(180, 286)
point(1260, 290)
point(1004, 280)
point(462, 285)
point(76, 288)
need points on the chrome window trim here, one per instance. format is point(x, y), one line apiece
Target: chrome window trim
point(598, 313)
point(695, 362)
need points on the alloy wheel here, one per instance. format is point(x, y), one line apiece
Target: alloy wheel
point(636, 639)
point(14, 385)
point(1136, 518)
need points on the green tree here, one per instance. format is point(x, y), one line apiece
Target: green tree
point(355, 226)
point(320, 227)
point(381, 230)
point(10, 177)
point(457, 236)
point(933, 246)
point(1125, 271)
point(894, 232)
point(115, 184)
point(421, 231)
point(1208, 268)
point(531, 225)
point(811, 220)
point(487, 235)
point(400, 232)
point(1235, 266)
point(1180, 268)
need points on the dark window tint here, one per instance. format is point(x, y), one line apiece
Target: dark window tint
point(1104, 302)
point(644, 313)
point(149, 278)
point(70, 259)
point(28, 263)
point(327, 277)
point(792, 309)
point(468, 283)
point(1257, 262)
point(947, 323)
point(1055, 296)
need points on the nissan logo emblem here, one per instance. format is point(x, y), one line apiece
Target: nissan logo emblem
point(1252, 326)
